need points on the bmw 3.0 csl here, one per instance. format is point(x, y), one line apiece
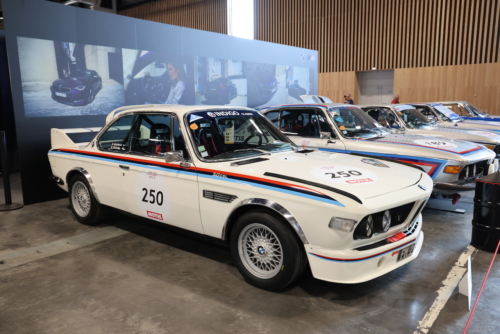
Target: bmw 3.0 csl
point(229, 173)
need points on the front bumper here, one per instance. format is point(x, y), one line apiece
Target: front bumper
point(353, 266)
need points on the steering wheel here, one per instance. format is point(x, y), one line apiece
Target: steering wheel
point(253, 135)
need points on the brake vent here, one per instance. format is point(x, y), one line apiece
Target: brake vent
point(249, 161)
point(219, 196)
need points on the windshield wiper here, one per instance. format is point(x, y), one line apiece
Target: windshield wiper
point(244, 150)
point(277, 144)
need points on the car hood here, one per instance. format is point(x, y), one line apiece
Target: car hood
point(68, 82)
point(474, 125)
point(436, 144)
point(362, 177)
point(475, 135)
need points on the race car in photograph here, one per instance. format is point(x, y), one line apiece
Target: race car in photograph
point(78, 89)
point(220, 91)
point(343, 128)
point(406, 119)
point(444, 117)
point(467, 110)
point(230, 174)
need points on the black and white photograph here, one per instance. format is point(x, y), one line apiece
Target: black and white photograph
point(62, 78)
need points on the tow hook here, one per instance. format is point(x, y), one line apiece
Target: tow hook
point(456, 198)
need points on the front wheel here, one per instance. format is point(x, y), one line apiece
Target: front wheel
point(266, 252)
point(83, 203)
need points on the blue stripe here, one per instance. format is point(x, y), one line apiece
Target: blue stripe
point(168, 169)
point(373, 257)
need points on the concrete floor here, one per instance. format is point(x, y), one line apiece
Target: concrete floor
point(157, 280)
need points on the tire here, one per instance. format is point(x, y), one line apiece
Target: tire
point(86, 209)
point(257, 266)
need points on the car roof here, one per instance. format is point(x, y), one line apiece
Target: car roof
point(325, 105)
point(452, 102)
point(179, 109)
point(383, 105)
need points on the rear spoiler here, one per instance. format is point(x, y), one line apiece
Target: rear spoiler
point(60, 139)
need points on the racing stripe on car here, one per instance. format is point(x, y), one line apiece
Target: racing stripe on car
point(477, 148)
point(289, 188)
point(364, 258)
point(435, 164)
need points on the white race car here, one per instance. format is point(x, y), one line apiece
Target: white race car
point(229, 173)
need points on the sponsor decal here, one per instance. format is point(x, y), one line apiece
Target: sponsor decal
point(119, 147)
point(223, 113)
point(193, 126)
point(152, 175)
point(374, 162)
point(345, 174)
point(484, 133)
point(219, 175)
point(155, 215)
point(436, 143)
point(211, 114)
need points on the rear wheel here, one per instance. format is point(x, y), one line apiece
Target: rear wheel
point(91, 96)
point(266, 252)
point(83, 202)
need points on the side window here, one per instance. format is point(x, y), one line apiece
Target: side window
point(116, 136)
point(151, 135)
point(179, 142)
point(273, 116)
point(302, 123)
point(461, 111)
point(387, 118)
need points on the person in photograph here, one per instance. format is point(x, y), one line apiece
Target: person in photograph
point(347, 99)
point(178, 78)
point(395, 100)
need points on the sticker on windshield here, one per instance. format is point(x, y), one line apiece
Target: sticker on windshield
point(345, 175)
point(437, 143)
point(484, 133)
point(211, 114)
point(374, 162)
point(193, 126)
point(152, 196)
point(194, 118)
point(229, 135)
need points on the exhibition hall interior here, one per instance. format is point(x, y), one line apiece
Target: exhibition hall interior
point(249, 166)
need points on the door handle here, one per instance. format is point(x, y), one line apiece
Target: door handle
point(124, 167)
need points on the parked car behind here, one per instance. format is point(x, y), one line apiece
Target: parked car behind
point(228, 173)
point(220, 91)
point(344, 128)
point(406, 119)
point(468, 111)
point(78, 89)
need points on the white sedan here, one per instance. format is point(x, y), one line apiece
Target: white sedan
point(230, 174)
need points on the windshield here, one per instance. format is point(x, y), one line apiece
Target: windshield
point(475, 110)
point(354, 122)
point(412, 118)
point(234, 134)
point(446, 114)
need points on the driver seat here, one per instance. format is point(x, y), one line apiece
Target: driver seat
point(160, 139)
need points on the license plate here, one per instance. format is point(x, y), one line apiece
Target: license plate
point(405, 252)
point(60, 94)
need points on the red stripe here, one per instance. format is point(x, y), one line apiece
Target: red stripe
point(197, 169)
point(431, 171)
point(367, 257)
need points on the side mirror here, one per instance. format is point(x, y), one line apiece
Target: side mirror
point(325, 135)
point(174, 156)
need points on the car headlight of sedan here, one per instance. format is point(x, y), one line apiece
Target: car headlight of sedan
point(364, 230)
point(342, 224)
point(80, 87)
point(382, 221)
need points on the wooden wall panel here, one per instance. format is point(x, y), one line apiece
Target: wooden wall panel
point(337, 84)
point(356, 35)
point(476, 83)
point(209, 15)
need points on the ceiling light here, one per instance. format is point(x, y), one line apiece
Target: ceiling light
point(374, 68)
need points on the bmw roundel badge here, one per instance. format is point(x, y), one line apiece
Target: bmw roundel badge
point(422, 187)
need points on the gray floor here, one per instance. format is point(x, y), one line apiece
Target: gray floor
point(150, 280)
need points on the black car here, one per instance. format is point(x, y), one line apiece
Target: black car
point(262, 85)
point(78, 89)
point(295, 91)
point(220, 91)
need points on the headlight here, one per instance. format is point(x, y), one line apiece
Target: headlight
point(452, 169)
point(491, 147)
point(342, 224)
point(382, 221)
point(364, 230)
point(80, 88)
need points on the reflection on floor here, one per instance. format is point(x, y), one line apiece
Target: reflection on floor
point(156, 280)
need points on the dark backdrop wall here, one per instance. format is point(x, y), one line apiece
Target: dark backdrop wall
point(70, 67)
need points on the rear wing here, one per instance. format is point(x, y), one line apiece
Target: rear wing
point(60, 139)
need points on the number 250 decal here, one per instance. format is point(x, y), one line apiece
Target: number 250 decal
point(345, 174)
point(158, 198)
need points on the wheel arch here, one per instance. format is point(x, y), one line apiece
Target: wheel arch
point(273, 208)
point(86, 174)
